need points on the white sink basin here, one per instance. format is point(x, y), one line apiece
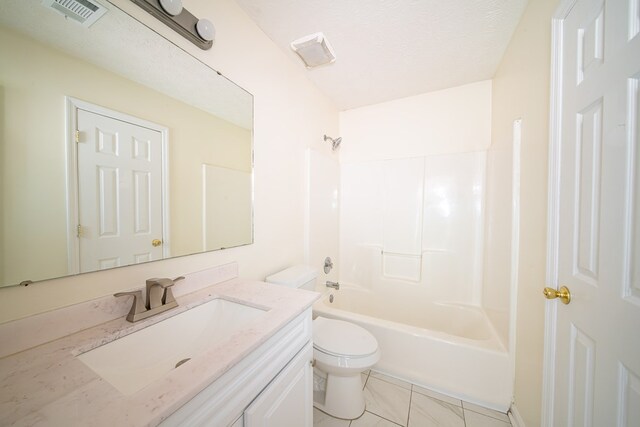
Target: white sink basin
point(142, 357)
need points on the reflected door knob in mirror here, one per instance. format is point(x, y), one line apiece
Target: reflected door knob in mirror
point(156, 242)
point(563, 293)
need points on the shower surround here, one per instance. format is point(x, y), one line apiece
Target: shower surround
point(411, 255)
point(415, 225)
point(425, 226)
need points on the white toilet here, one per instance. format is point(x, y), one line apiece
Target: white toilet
point(341, 350)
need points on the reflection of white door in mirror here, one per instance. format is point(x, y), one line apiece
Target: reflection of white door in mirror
point(120, 192)
point(121, 64)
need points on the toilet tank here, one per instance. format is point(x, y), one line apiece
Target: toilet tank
point(299, 276)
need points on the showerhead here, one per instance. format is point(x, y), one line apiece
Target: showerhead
point(335, 143)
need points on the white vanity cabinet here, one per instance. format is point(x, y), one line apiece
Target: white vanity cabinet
point(271, 386)
point(288, 400)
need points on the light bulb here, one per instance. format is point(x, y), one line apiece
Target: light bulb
point(206, 30)
point(172, 7)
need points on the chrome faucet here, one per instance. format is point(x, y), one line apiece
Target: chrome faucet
point(159, 298)
point(334, 285)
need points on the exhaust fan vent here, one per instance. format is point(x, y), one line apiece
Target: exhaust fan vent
point(84, 12)
point(314, 50)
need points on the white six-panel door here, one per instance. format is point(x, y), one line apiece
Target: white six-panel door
point(119, 175)
point(597, 336)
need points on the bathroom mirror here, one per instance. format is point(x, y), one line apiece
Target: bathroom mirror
point(117, 146)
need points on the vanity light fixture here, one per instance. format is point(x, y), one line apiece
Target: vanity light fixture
point(200, 32)
point(172, 7)
point(314, 50)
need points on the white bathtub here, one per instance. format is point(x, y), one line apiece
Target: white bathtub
point(449, 348)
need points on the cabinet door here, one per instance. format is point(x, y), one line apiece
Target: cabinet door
point(288, 400)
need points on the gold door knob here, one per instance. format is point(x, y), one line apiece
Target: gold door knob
point(563, 294)
point(156, 242)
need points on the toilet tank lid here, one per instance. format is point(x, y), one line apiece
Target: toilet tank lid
point(293, 277)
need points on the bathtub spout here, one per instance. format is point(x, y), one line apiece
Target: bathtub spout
point(334, 285)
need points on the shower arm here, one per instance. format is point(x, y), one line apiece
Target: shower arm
point(335, 143)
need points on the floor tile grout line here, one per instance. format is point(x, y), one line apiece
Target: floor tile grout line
point(410, 400)
point(440, 400)
point(486, 415)
point(411, 391)
point(386, 419)
point(377, 415)
point(390, 382)
point(363, 386)
point(394, 385)
point(462, 402)
point(464, 419)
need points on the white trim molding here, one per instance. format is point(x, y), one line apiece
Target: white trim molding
point(514, 417)
point(515, 246)
point(555, 129)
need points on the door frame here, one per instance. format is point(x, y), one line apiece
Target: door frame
point(553, 208)
point(72, 107)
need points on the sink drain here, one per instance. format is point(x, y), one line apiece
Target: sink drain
point(183, 361)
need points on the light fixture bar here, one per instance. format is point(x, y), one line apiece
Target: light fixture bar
point(183, 23)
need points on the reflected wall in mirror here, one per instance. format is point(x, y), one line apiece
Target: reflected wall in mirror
point(162, 166)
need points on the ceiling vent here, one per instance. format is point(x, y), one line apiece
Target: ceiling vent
point(314, 50)
point(84, 12)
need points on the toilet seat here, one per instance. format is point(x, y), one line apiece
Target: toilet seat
point(342, 351)
point(342, 339)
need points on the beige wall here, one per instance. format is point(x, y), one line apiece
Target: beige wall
point(36, 80)
point(521, 90)
point(446, 121)
point(290, 116)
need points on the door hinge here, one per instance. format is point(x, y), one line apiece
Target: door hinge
point(79, 231)
point(77, 136)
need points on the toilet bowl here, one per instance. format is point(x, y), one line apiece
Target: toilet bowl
point(341, 351)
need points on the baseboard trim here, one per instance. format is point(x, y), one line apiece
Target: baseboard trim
point(514, 416)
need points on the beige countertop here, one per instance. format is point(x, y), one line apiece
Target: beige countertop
point(48, 385)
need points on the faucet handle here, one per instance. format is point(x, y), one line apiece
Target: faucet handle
point(156, 297)
point(168, 293)
point(165, 283)
point(137, 307)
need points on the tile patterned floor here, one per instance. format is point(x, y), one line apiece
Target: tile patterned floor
point(392, 403)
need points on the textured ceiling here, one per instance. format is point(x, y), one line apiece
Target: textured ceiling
point(118, 43)
point(389, 49)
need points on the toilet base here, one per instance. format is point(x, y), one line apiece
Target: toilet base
point(344, 397)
